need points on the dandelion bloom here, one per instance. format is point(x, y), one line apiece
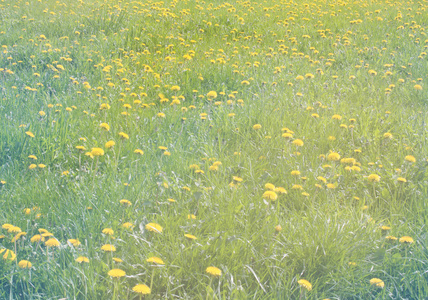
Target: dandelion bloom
point(124, 135)
point(270, 195)
point(155, 260)
point(387, 135)
point(406, 240)
point(306, 284)
point(257, 126)
point(81, 259)
point(333, 156)
point(213, 271)
point(125, 202)
point(97, 152)
point(25, 264)
point(108, 231)
point(377, 282)
point(190, 236)
point(298, 142)
point(295, 173)
point(105, 126)
point(418, 87)
point(110, 144)
point(269, 186)
point(29, 133)
point(139, 151)
point(37, 238)
point(154, 227)
point(118, 260)
point(108, 248)
point(52, 242)
point(410, 158)
point(74, 242)
point(142, 289)
point(212, 94)
point(116, 273)
point(401, 179)
point(373, 178)
point(8, 254)
point(278, 228)
point(128, 225)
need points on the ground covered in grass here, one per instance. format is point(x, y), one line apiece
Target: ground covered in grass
point(213, 150)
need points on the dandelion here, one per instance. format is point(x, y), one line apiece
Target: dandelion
point(269, 186)
point(142, 289)
point(139, 151)
point(410, 158)
point(110, 144)
point(377, 282)
point(52, 242)
point(333, 156)
point(373, 178)
point(387, 135)
point(154, 227)
point(306, 284)
point(116, 273)
point(155, 260)
point(270, 195)
point(212, 95)
point(29, 133)
point(406, 240)
point(190, 236)
point(37, 238)
point(108, 248)
point(82, 259)
point(128, 225)
point(105, 126)
point(124, 135)
point(97, 152)
point(402, 179)
point(257, 126)
point(8, 254)
point(25, 264)
point(213, 271)
point(278, 228)
point(298, 142)
point(418, 87)
point(108, 231)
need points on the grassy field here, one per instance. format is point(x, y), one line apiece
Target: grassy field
point(213, 150)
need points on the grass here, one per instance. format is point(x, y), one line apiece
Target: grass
point(345, 78)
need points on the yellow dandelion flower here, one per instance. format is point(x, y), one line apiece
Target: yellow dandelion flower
point(298, 142)
point(190, 236)
point(257, 126)
point(29, 133)
point(52, 242)
point(81, 259)
point(142, 289)
point(97, 152)
point(110, 144)
point(306, 284)
point(270, 195)
point(116, 273)
point(406, 240)
point(213, 271)
point(377, 282)
point(108, 231)
point(108, 248)
point(155, 260)
point(410, 158)
point(154, 227)
point(25, 264)
point(8, 254)
point(373, 178)
point(333, 156)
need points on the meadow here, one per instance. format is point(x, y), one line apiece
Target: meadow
point(185, 149)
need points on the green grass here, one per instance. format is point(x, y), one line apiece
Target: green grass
point(62, 62)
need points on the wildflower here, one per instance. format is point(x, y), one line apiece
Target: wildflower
point(373, 178)
point(25, 264)
point(333, 156)
point(306, 284)
point(142, 289)
point(52, 242)
point(175, 88)
point(278, 228)
point(336, 117)
point(418, 87)
point(108, 231)
point(105, 126)
point(116, 273)
point(257, 126)
point(108, 248)
point(406, 240)
point(155, 260)
point(81, 259)
point(298, 142)
point(387, 135)
point(37, 238)
point(125, 202)
point(295, 173)
point(410, 158)
point(124, 135)
point(212, 95)
point(16, 237)
point(391, 238)
point(385, 228)
point(8, 254)
point(128, 225)
point(269, 186)
point(280, 190)
point(118, 260)
point(213, 271)
point(97, 152)
point(29, 133)
point(110, 144)
point(270, 195)
point(139, 151)
point(190, 236)
point(401, 179)
point(154, 227)
point(377, 282)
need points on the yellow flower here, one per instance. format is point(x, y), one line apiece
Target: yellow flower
point(257, 126)
point(333, 156)
point(128, 225)
point(16, 237)
point(418, 87)
point(269, 186)
point(306, 284)
point(37, 238)
point(373, 178)
point(108, 231)
point(52, 242)
point(295, 173)
point(213, 271)
point(25, 264)
point(278, 228)
point(139, 151)
point(175, 88)
point(336, 117)
point(8, 254)
point(97, 152)
point(108, 248)
point(377, 282)
point(124, 135)
point(105, 126)
point(29, 133)
point(270, 195)
point(110, 144)
point(298, 142)
point(410, 158)
point(406, 240)
point(116, 273)
point(401, 179)
point(142, 289)
point(154, 227)
point(155, 260)
point(190, 236)
point(387, 135)
point(125, 202)
point(81, 259)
